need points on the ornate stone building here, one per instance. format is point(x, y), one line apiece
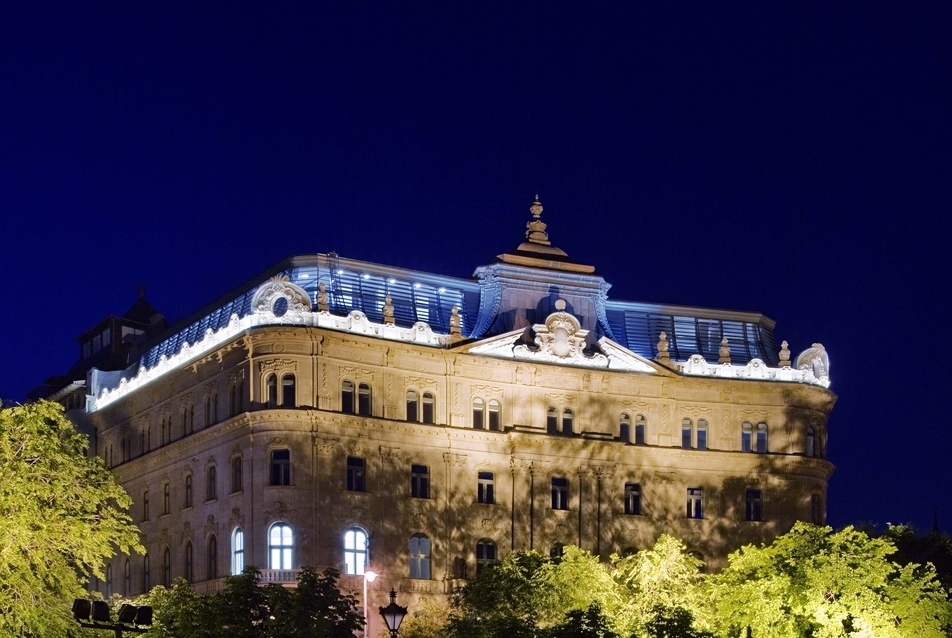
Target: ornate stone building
point(341, 413)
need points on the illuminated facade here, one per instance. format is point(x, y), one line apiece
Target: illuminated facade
point(341, 413)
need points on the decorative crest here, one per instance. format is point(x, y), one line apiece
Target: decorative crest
point(536, 233)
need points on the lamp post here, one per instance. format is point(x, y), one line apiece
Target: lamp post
point(369, 577)
point(393, 614)
point(95, 615)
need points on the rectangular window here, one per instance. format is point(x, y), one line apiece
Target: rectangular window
point(632, 499)
point(560, 493)
point(701, 439)
point(419, 481)
point(485, 488)
point(755, 505)
point(211, 484)
point(355, 474)
point(236, 471)
point(166, 499)
point(363, 399)
point(281, 467)
point(428, 416)
point(494, 421)
point(745, 441)
point(188, 491)
point(816, 509)
point(145, 505)
point(639, 433)
point(695, 503)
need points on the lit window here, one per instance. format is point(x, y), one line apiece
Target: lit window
point(552, 420)
point(412, 405)
point(146, 574)
point(478, 412)
point(167, 568)
point(485, 488)
point(145, 505)
point(560, 493)
point(271, 390)
point(746, 437)
point(755, 505)
point(701, 434)
point(166, 499)
point(419, 481)
point(495, 421)
point(347, 397)
point(237, 551)
point(811, 442)
point(188, 491)
point(419, 557)
point(355, 474)
point(288, 391)
point(624, 429)
point(236, 474)
point(485, 555)
point(695, 503)
point(280, 545)
point(280, 467)
point(429, 404)
point(687, 434)
point(640, 427)
point(816, 509)
point(363, 400)
point(355, 551)
point(567, 421)
point(761, 438)
point(211, 484)
point(189, 575)
point(211, 558)
point(632, 499)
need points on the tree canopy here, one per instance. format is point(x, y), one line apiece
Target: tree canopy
point(316, 608)
point(62, 515)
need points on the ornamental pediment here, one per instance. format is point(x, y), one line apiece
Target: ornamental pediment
point(562, 341)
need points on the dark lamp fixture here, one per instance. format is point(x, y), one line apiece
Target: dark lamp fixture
point(81, 609)
point(393, 614)
point(143, 616)
point(101, 611)
point(127, 614)
point(131, 617)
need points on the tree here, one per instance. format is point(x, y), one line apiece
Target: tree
point(587, 623)
point(316, 608)
point(819, 583)
point(62, 515)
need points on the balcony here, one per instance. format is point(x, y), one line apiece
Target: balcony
point(280, 576)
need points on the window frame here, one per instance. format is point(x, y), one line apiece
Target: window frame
point(237, 475)
point(632, 499)
point(419, 481)
point(754, 505)
point(211, 483)
point(419, 561)
point(479, 413)
point(485, 488)
point(237, 551)
point(695, 503)
point(279, 474)
point(356, 558)
point(560, 493)
point(484, 561)
point(285, 550)
point(356, 474)
point(211, 558)
point(348, 396)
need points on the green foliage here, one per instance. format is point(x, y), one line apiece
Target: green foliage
point(673, 622)
point(934, 547)
point(62, 514)
point(316, 608)
point(587, 623)
point(814, 582)
point(426, 622)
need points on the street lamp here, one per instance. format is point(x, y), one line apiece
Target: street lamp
point(369, 577)
point(95, 615)
point(393, 614)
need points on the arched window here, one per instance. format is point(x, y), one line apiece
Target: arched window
point(419, 557)
point(567, 422)
point(271, 390)
point(702, 434)
point(641, 427)
point(237, 397)
point(495, 420)
point(166, 499)
point(236, 477)
point(761, 438)
point(412, 405)
point(364, 405)
point(211, 558)
point(145, 505)
point(280, 546)
point(211, 484)
point(347, 396)
point(146, 574)
point(237, 551)
point(189, 574)
point(811, 442)
point(485, 555)
point(429, 406)
point(478, 413)
point(185, 428)
point(188, 490)
point(167, 568)
point(288, 391)
point(108, 581)
point(127, 579)
point(355, 551)
point(746, 437)
point(687, 434)
point(624, 429)
point(816, 509)
point(552, 420)
point(208, 411)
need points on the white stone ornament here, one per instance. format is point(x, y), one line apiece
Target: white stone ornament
point(267, 299)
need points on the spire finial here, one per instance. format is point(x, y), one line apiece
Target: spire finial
point(536, 233)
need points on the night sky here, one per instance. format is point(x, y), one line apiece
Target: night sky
point(792, 160)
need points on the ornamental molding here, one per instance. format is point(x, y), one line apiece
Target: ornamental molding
point(273, 365)
point(357, 374)
point(280, 512)
point(454, 460)
point(486, 390)
point(266, 300)
point(814, 370)
point(561, 400)
point(420, 383)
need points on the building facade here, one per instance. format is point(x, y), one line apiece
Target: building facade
point(334, 412)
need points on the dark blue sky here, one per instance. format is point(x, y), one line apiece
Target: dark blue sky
point(792, 160)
